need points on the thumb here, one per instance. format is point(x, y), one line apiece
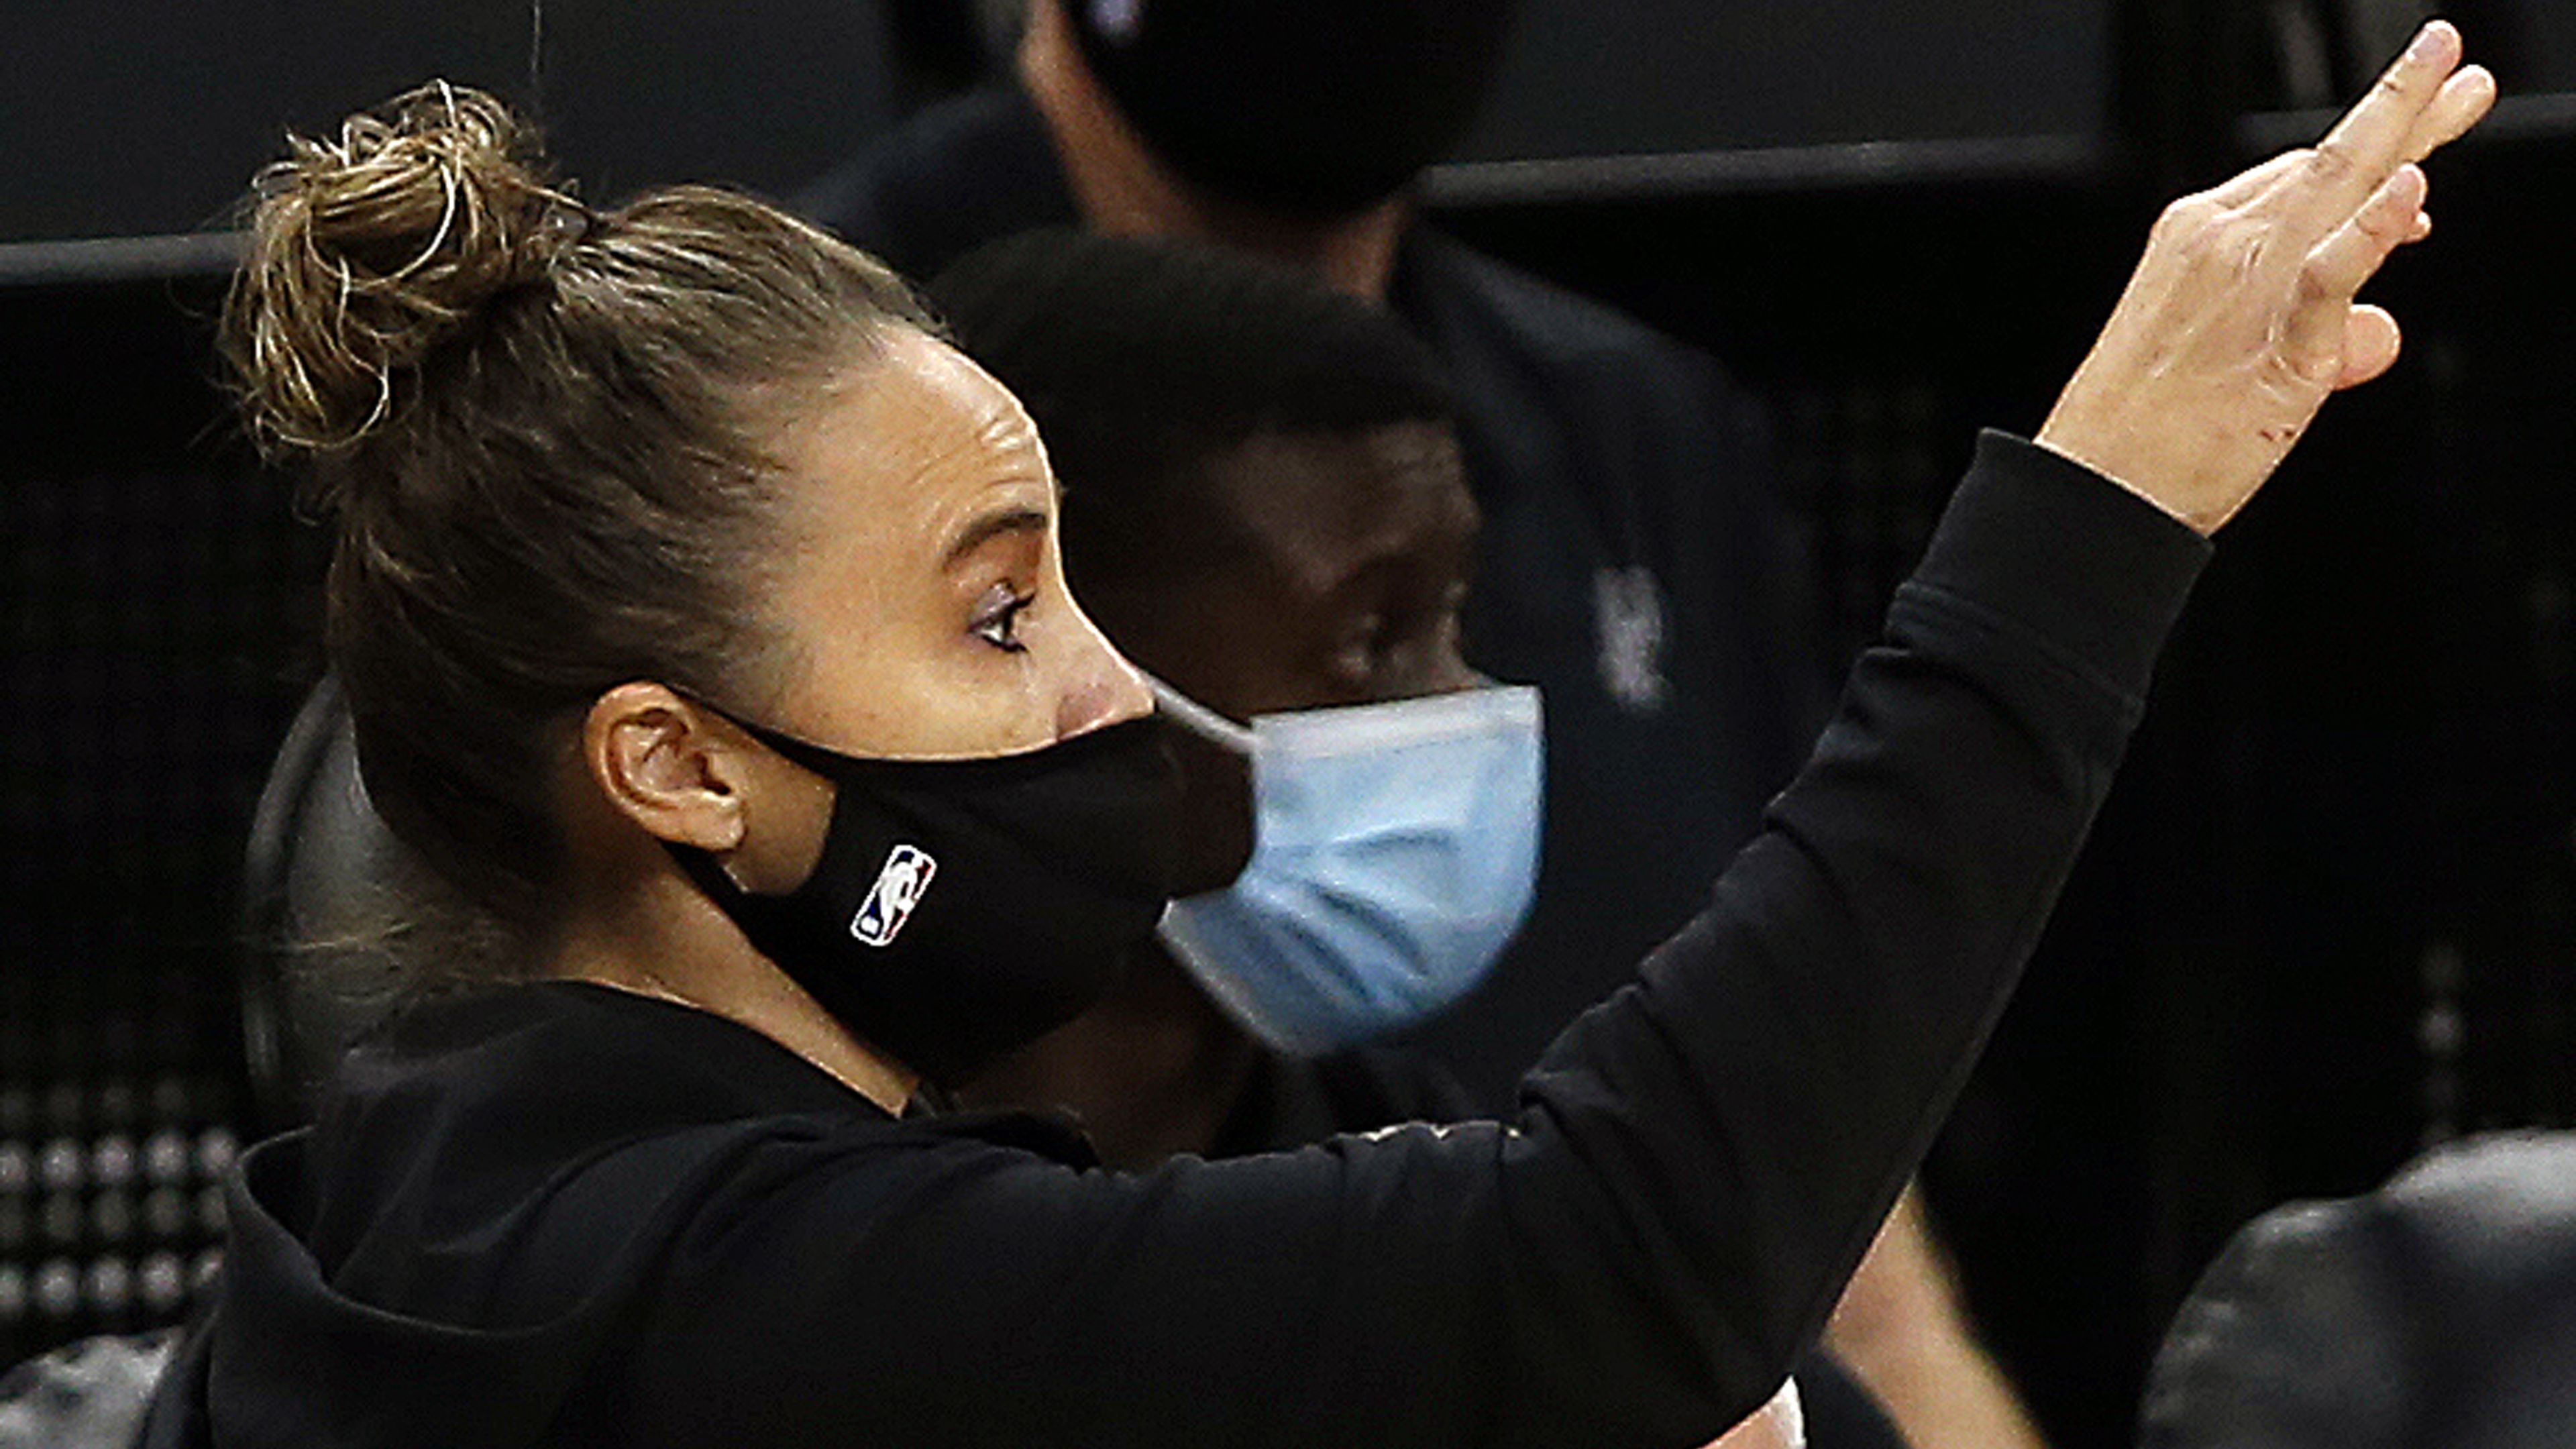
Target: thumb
point(2371, 341)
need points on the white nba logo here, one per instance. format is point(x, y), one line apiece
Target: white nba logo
point(899, 888)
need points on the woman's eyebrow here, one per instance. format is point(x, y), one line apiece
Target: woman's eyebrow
point(1017, 519)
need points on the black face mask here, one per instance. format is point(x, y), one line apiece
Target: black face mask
point(963, 908)
point(1308, 107)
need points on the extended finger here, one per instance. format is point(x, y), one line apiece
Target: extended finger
point(2462, 102)
point(2370, 141)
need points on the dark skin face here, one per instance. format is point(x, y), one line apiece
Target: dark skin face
point(1329, 570)
point(1332, 571)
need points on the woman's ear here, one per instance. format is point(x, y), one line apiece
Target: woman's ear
point(669, 765)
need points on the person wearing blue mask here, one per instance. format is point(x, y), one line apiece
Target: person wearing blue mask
point(1264, 510)
point(1635, 563)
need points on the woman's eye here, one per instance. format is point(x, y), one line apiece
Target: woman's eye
point(998, 622)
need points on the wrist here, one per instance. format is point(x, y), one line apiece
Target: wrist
point(2075, 446)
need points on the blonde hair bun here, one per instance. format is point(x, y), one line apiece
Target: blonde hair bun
point(368, 250)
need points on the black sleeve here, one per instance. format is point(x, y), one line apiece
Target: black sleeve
point(1638, 1257)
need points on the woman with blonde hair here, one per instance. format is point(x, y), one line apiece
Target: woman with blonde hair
point(702, 624)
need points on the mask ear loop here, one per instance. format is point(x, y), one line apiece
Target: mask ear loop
point(1198, 719)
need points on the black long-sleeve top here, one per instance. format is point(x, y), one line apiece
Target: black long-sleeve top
point(562, 1214)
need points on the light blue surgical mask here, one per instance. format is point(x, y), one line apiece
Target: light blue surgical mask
point(1394, 853)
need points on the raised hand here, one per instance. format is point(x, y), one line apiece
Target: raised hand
point(2241, 320)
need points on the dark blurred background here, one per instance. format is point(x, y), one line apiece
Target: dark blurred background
point(2329, 917)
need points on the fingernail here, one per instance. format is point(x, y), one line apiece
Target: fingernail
point(2429, 40)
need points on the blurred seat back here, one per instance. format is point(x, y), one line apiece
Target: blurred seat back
point(2438, 1310)
point(319, 886)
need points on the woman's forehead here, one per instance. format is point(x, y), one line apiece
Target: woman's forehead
point(916, 436)
point(916, 384)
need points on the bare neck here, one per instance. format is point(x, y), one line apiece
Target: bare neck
point(1124, 190)
point(661, 938)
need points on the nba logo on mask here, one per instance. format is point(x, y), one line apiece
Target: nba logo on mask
point(899, 888)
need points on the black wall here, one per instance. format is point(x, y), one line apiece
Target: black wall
point(125, 117)
point(1683, 75)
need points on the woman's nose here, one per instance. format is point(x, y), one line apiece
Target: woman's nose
point(1104, 689)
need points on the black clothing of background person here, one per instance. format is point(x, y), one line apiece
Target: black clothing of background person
point(564, 1213)
point(1632, 562)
